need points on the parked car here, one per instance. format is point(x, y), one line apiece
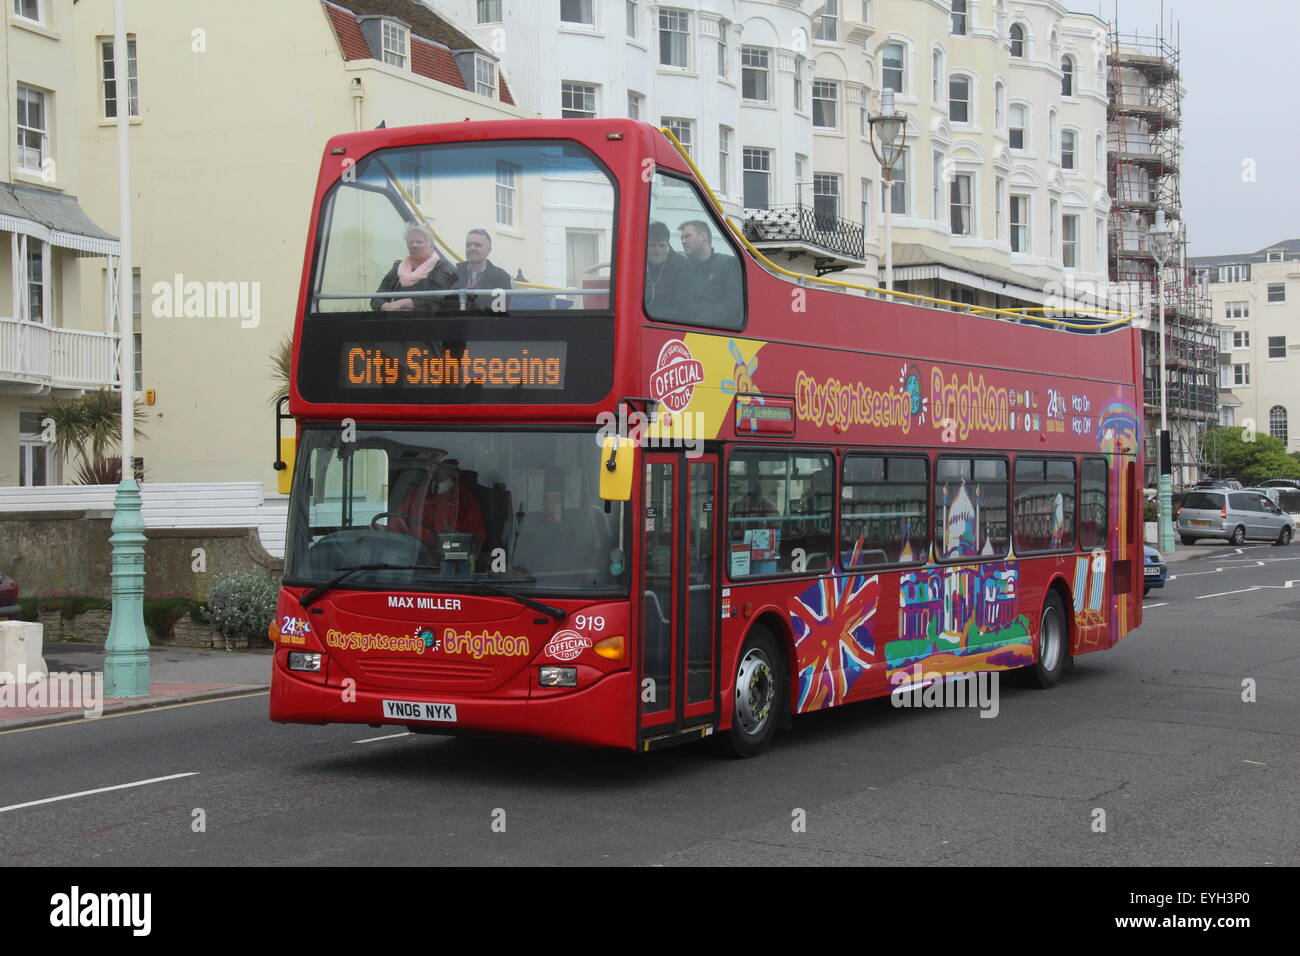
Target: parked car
point(1235, 516)
point(8, 597)
point(1219, 483)
point(1154, 572)
point(1292, 483)
point(1284, 496)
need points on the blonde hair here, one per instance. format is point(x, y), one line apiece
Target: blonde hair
point(415, 227)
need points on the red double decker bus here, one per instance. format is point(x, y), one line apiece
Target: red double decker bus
point(574, 461)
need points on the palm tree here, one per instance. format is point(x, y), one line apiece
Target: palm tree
point(281, 368)
point(87, 427)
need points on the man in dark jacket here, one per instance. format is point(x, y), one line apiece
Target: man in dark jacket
point(478, 272)
point(714, 290)
point(667, 276)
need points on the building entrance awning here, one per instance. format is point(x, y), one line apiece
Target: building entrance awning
point(53, 218)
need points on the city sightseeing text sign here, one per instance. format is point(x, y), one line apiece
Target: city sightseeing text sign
point(465, 364)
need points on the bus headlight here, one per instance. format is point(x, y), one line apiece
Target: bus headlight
point(304, 661)
point(558, 677)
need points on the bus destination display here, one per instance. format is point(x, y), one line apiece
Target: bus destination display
point(462, 364)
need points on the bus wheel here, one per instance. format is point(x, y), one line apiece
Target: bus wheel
point(1053, 649)
point(758, 698)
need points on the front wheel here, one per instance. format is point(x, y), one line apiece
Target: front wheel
point(1146, 591)
point(1239, 535)
point(1053, 648)
point(758, 698)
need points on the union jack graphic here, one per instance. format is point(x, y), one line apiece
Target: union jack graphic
point(833, 642)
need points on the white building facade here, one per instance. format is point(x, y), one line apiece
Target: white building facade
point(1256, 302)
point(58, 316)
point(1000, 198)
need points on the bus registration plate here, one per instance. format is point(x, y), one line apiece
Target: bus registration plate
point(419, 710)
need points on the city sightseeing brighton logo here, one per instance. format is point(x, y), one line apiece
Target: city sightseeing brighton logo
point(673, 381)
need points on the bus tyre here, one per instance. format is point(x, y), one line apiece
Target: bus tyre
point(758, 699)
point(1053, 651)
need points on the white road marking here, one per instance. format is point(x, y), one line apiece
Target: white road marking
point(1257, 563)
point(1258, 587)
point(371, 740)
point(1147, 607)
point(87, 793)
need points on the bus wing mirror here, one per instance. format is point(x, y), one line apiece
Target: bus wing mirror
point(617, 464)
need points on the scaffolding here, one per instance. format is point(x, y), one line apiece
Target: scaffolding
point(1143, 163)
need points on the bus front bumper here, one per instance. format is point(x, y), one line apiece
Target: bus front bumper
point(599, 715)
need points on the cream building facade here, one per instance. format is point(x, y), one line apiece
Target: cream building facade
point(57, 326)
point(1002, 194)
point(232, 120)
point(1256, 303)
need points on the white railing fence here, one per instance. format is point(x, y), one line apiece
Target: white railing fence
point(229, 504)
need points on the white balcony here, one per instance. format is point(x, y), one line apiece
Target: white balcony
point(36, 358)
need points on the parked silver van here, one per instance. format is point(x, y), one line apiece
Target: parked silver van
point(1235, 516)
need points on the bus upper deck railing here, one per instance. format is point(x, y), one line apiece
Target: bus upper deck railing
point(1014, 315)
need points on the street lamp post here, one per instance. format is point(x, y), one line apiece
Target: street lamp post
point(1162, 234)
point(888, 133)
point(126, 665)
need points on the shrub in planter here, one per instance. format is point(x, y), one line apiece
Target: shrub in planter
point(1152, 511)
point(242, 605)
point(162, 613)
point(68, 605)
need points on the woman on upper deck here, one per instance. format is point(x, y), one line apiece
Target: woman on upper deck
point(423, 270)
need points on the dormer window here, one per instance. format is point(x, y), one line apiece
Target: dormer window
point(485, 77)
point(1276, 255)
point(396, 44)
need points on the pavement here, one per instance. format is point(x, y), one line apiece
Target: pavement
point(180, 675)
point(177, 675)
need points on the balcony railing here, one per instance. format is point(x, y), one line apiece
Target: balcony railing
point(38, 354)
point(797, 223)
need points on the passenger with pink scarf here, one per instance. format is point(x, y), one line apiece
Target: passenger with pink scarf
point(423, 270)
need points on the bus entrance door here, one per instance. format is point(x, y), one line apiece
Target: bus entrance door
point(678, 598)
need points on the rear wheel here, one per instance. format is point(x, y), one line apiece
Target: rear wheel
point(1284, 536)
point(1238, 535)
point(1146, 591)
point(1053, 649)
point(758, 698)
point(1187, 539)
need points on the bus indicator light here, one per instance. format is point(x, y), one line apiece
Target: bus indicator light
point(611, 648)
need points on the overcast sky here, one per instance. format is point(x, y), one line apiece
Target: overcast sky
point(1241, 70)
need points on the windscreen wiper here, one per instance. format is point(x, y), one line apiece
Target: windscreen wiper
point(311, 596)
point(526, 601)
